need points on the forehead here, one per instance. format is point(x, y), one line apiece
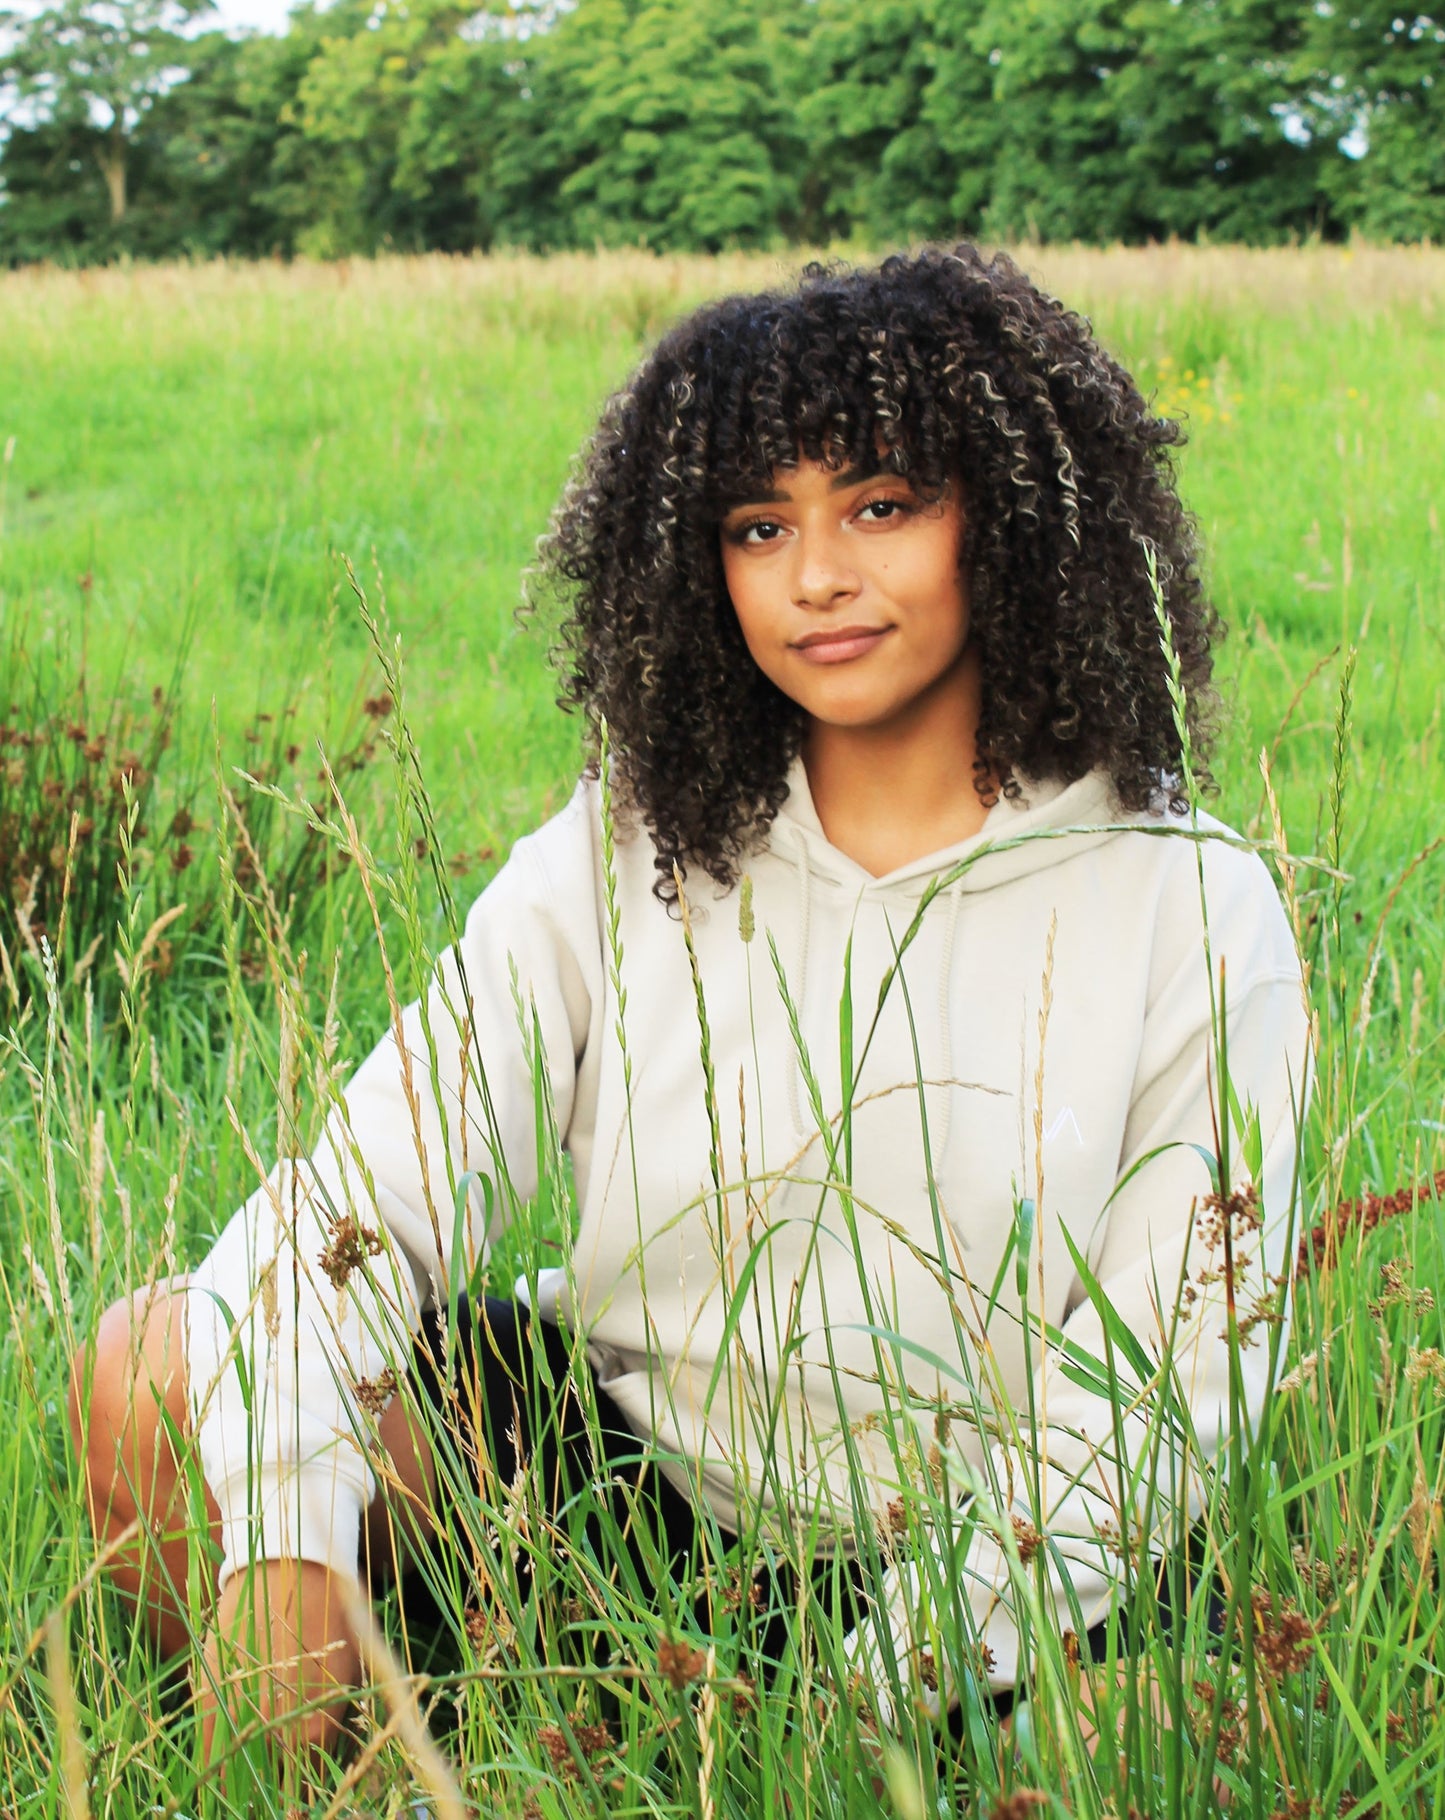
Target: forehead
point(782, 483)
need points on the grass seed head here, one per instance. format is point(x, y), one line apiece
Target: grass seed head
point(1022, 1804)
point(1237, 1213)
point(373, 1394)
point(351, 1245)
point(592, 1741)
point(1283, 1635)
point(1397, 1292)
point(679, 1664)
point(1422, 1520)
point(1028, 1539)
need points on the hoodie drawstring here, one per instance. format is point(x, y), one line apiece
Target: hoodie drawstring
point(943, 1130)
point(795, 1070)
point(945, 1026)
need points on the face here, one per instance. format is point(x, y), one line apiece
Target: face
point(849, 592)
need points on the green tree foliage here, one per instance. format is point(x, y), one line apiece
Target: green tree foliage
point(705, 124)
point(874, 82)
point(1372, 77)
point(206, 165)
point(1205, 111)
point(1128, 120)
point(101, 64)
point(677, 126)
point(403, 105)
point(54, 200)
point(230, 182)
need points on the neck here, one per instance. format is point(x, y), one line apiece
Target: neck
point(892, 794)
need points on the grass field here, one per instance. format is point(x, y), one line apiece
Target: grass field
point(189, 455)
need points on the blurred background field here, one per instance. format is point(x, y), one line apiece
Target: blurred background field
point(191, 454)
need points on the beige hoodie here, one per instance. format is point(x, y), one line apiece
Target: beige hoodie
point(904, 1270)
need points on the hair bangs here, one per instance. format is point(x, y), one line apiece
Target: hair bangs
point(799, 377)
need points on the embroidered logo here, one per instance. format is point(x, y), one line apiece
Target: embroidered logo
point(1060, 1123)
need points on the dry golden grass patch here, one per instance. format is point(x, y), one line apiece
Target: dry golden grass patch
point(641, 290)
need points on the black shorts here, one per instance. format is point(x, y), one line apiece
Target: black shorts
point(507, 1395)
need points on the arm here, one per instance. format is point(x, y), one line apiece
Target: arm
point(1103, 1475)
point(317, 1282)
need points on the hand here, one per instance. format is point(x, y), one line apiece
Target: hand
point(281, 1651)
point(1096, 1700)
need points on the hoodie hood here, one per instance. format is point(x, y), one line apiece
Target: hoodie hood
point(1052, 822)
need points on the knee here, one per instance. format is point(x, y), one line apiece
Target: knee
point(120, 1384)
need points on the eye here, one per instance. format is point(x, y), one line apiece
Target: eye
point(754, 532)
point(883, 510)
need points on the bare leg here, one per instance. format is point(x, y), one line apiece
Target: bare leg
point(280, 1642)
point(127, 1400)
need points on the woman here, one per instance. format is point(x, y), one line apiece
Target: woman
point(861, 587)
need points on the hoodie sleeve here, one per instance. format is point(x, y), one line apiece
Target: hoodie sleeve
point(1109, 1490)
point(316, 1284)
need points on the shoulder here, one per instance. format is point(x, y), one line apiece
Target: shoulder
point(566, 841)
point(1165, 863)
point(560, 869)
point(552, 873)
point(1215, 889)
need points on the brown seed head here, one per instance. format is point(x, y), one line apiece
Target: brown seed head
point(1027, 1537)
point(1282, 1637)
point(678, 1663)
point(553, 1740)
point(1020, 1805)
point(373, 1394)
point(350, 1246)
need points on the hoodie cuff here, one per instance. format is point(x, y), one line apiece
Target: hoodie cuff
point(308, 1514)
point(901, 1639)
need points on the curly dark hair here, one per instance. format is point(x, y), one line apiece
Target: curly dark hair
point(940, 366)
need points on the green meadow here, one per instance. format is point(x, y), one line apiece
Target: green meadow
point(202, 471)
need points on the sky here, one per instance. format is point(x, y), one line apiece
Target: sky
point(264, 15)
point(229, 15)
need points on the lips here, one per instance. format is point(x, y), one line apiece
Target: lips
point(839, 644)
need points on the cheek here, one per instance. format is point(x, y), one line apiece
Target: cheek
point(758, 648)
point(755, 624)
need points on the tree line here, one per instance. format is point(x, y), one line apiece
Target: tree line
point(709, 124)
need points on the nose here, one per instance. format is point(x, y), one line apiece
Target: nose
point(822, 574)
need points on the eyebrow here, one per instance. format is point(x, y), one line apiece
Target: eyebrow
point(850, 477)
